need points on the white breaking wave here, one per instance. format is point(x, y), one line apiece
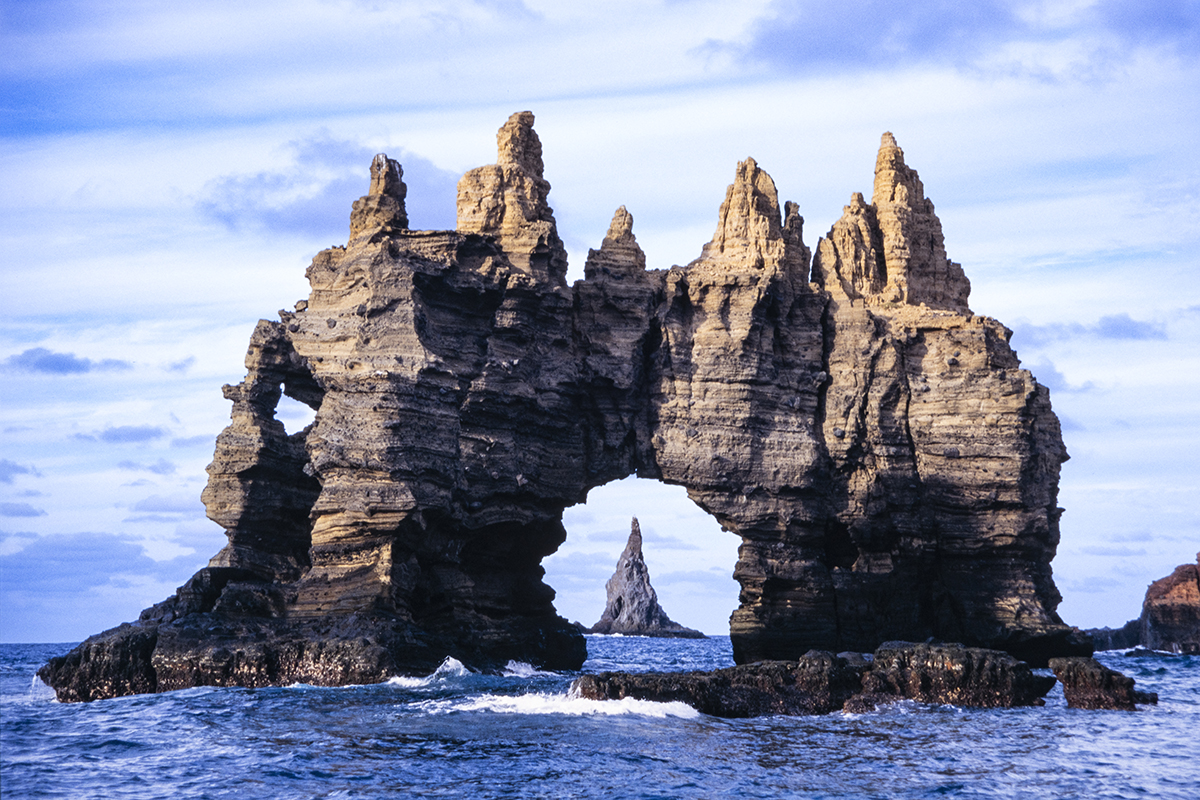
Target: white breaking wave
point(541, 703)
point(519, 669)
point(450, 668)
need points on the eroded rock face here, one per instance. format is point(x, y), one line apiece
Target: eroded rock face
point(632, 607)
point(949, 674)
point(890, 469)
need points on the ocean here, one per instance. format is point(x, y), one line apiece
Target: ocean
point(460, 734)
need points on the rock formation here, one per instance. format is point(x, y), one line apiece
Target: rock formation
point(1170, 618)
point(820, 682)
point(1171, 611)
point(890, 469)
point(632, 607)
point(1089, 684)
point(816, 683)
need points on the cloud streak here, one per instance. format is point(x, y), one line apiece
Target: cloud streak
point(47, 362)
point(820, 36)
point(1117, 327)
point(124, 434)
point(10, 469)
point(20, 510)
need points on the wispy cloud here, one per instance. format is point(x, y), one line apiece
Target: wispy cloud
point(124, 434)
point(664, 542)
point(160, 467)
point(1112, 326)
point(1046, 39)
point(10, 469)
point(183, 365)
point(701, 576)
point(177, 504)
point(1114, 552)
point(39, 359)
point(204, 439)
point(20, 510)
point(1049, 376)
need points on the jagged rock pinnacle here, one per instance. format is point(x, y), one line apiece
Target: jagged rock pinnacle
point(508, 200)
point(382, 208)
point(749, 231)
point(518, 144)
point(632, 607)
point(619, 254)
point(891, 252)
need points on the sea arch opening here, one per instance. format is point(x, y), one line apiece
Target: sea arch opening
point(690, 558)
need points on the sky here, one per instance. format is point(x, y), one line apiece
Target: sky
point(169, 170)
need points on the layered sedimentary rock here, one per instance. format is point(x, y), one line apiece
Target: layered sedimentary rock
point(890, 469)
point(632, 607)
point(820, 682)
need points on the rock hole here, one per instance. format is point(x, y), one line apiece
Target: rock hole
point(689, 557)
point(293, 414)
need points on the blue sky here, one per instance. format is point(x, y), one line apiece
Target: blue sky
point(170, 170)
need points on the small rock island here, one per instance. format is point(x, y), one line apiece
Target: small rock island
point(632, 607)
point(890, 469)
point(1170, 618)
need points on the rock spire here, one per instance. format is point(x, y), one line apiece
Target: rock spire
point(632, 608)
point(619, 255)
point(891, 251)
point(382, 209)
point(508, 200)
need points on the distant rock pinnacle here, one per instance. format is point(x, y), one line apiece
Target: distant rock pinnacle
point(632, 607)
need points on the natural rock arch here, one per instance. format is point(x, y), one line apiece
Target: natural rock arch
point(890, 469)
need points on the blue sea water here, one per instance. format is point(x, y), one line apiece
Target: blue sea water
point(460, 734)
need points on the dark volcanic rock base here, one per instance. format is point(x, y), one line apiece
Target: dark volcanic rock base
point(821, 682)
point(1089, 684)
point(817, 683)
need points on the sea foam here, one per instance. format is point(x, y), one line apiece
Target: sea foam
point(450, 668)
point(564, 704)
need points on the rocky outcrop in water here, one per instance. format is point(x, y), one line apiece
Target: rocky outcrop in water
point(890, 469)
point(948, 674)
point(1170, 619)
point(1171, 611)
point(632, 607)
point(816, 683)
point(820, 682)
point(1089, 684)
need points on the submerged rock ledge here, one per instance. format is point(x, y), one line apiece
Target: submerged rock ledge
point(821, 682)
point(890, 469)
